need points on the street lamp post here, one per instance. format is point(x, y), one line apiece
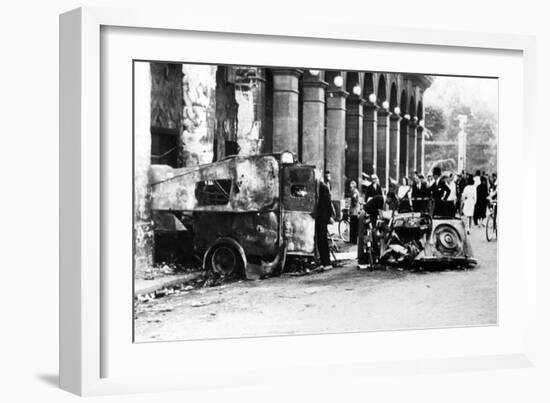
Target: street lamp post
point(462, 119)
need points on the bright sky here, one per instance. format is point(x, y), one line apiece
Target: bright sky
point(479, 93)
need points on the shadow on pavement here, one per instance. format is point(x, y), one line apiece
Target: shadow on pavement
point(49, 379)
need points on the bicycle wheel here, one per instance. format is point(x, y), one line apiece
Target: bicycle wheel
point(490, 228)
point(343, 230)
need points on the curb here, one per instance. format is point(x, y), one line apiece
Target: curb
point(170, 282)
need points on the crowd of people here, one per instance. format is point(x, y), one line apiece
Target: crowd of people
point(443, 194)
point(446, 194)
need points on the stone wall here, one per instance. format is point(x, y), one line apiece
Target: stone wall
point(166, 95)
point(143, 228)
point(199, 114)
point(179, 98)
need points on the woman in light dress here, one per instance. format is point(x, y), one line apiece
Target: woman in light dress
point(354, 207)
point(469, 197)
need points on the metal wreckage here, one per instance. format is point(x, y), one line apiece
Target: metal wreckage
point(414, 240)
point(245, 216)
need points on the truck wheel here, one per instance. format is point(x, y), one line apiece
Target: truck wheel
point(226, 261)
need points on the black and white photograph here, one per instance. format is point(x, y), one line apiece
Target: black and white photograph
point(276, 200)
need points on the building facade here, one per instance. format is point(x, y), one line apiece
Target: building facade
point(341, 121)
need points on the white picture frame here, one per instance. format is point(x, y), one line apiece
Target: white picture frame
point(83, 303)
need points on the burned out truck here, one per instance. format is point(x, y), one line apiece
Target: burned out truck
point(244, 214)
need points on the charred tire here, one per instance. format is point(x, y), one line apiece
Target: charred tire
point(225, 261)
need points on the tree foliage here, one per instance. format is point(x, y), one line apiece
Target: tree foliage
point(442, 124)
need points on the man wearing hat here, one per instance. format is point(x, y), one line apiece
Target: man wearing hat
point(419, 193)
point(439, 191)
point(374, 189)
point(324, 217)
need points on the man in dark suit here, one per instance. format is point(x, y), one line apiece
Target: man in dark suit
point(439, 192)
point(374, 189)
point(325, 213)
point(327, 179)
point(419, 193)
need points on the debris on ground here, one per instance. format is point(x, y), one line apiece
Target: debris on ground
point(313, 290)
point(196, 304)
point(167, 269)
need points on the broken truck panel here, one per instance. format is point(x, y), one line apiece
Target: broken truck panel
point(166, 222)
point(248, 183)
point(257, 233)
point(299, 188)
point(299, 229)
point(299, 199)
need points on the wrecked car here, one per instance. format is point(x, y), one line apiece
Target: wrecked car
point(245, 214)
point(416, 240)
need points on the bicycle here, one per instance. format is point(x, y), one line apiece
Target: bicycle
point(344, 226)
point(491, 227)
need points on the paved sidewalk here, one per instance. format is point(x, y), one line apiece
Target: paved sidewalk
point(143, 287)
point(346, 255)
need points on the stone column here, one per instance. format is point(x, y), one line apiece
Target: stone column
point(404, 147)
point(285, 110)
point(411, 162)
point(259, 94)
point(335, 140)
point(394, 147)
point(382, 146)
point(354, 139)
point(250, 97)
point(370, 117)
point(420, 149)
point(313, 122)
